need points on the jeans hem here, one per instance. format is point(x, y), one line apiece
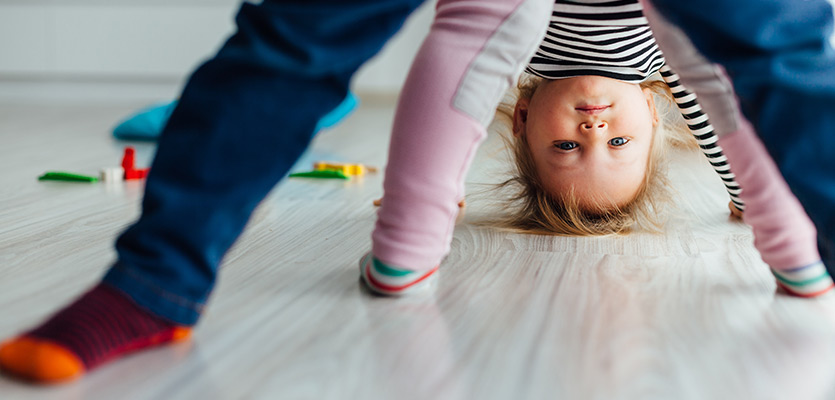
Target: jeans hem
point(153, 299)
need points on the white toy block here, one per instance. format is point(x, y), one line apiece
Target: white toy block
point(113, 174)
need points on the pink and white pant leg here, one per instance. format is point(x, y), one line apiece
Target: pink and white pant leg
point(783, 233)
point(475, 50)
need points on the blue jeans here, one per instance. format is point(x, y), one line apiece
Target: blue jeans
point(243, 119)
point(783, 67)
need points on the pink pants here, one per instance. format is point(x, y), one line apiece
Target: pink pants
point(783, 233)
point(475, 50)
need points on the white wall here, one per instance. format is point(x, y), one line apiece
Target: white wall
point(142, 48)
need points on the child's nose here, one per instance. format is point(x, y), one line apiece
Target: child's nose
point(593, 126)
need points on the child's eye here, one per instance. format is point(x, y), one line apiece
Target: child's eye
point(566, 145)
point(618, 141)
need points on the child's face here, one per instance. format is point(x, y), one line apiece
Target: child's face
point(590, 134)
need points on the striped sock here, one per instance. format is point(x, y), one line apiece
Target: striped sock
point(102, 325)
point(384, 279)
point(808, 281)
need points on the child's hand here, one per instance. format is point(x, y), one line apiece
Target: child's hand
point(735, 212)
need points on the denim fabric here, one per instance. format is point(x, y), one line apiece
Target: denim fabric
point(244, 117)
point(780, 57)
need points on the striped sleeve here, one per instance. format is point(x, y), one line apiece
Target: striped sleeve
point(699, 125)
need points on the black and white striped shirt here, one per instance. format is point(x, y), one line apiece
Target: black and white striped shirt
point(612, 38)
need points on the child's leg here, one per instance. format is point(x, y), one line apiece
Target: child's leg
point(288, 65)
point(783, 233)
point(474, 51)
point(779, 54)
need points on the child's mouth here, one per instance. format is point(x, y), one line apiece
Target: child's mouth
point(591, 109)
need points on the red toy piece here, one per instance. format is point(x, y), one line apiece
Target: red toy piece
point(128, 159)
point(128, 164)
point(136, 173)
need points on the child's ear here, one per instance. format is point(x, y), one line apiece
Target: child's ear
point(520, 117)
point(651, 105)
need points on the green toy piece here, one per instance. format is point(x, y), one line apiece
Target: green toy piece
point(324, 174)
point(66, 177)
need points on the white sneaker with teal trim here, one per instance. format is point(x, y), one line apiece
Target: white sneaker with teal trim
point(807, 281)
point(384, 279)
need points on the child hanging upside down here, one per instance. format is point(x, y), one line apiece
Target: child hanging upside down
point(281, 70)
point(588, 145)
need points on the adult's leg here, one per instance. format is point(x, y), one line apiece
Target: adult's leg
point(474, 52)
point(781, 60)
point(243, 119)
point(783, 233)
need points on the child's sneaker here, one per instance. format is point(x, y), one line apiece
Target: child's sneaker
point(808, 281)
point(383, 279)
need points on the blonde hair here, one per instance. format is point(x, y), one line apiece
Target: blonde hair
point(531, 209)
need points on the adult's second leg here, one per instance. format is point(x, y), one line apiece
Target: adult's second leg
point(781, 60)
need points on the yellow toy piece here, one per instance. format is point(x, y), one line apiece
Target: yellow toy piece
point(347, 169)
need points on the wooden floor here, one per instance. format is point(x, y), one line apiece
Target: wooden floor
point(690, 314)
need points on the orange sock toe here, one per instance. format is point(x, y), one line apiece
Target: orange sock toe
point(180, 333)
point(39, 360)
point(101, 326)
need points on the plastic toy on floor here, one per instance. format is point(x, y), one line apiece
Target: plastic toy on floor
point(322, 174)
point(66, 177)
point(127, 171)
point(334, 170)
point(147, 124)
point(129, 165)
point(345, 168)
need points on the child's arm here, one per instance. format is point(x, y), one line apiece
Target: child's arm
point(783, 233)
point(701, 128)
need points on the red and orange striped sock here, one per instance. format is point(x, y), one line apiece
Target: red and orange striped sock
point(101, 326)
